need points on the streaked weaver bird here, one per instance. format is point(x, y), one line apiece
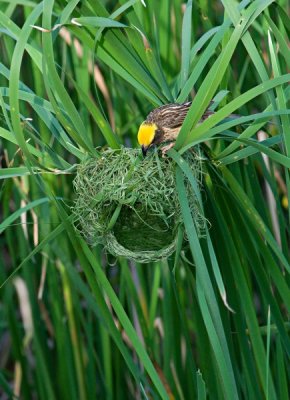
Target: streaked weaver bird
point(163, 124)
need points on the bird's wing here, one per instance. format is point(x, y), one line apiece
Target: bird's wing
point(172, 116)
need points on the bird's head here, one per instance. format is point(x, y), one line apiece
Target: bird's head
point(147, 135)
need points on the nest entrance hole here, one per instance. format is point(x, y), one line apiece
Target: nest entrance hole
point(138, 230)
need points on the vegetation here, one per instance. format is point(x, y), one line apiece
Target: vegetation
point(211, 321)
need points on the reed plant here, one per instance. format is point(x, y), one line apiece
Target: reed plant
point(210, 321)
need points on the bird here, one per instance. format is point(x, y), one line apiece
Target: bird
point(163, 124)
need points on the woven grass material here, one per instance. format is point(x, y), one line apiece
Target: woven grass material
point(130, 204)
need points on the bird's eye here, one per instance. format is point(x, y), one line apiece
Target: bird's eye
point(157, 136)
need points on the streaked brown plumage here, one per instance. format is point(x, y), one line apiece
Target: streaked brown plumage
point(163, 124)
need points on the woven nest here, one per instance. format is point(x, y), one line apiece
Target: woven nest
point(130, 204)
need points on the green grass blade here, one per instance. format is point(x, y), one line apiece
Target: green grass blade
point(208, 305)
point(254, 216)
point(14, 216)
point(186, 43)
point(97, 22)
point(201, 131)
point(201, 390)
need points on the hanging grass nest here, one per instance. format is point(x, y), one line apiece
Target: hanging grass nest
point(130, 204)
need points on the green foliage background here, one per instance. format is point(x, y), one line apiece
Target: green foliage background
point(213, 320)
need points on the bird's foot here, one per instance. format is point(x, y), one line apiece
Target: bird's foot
point(165, 149)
